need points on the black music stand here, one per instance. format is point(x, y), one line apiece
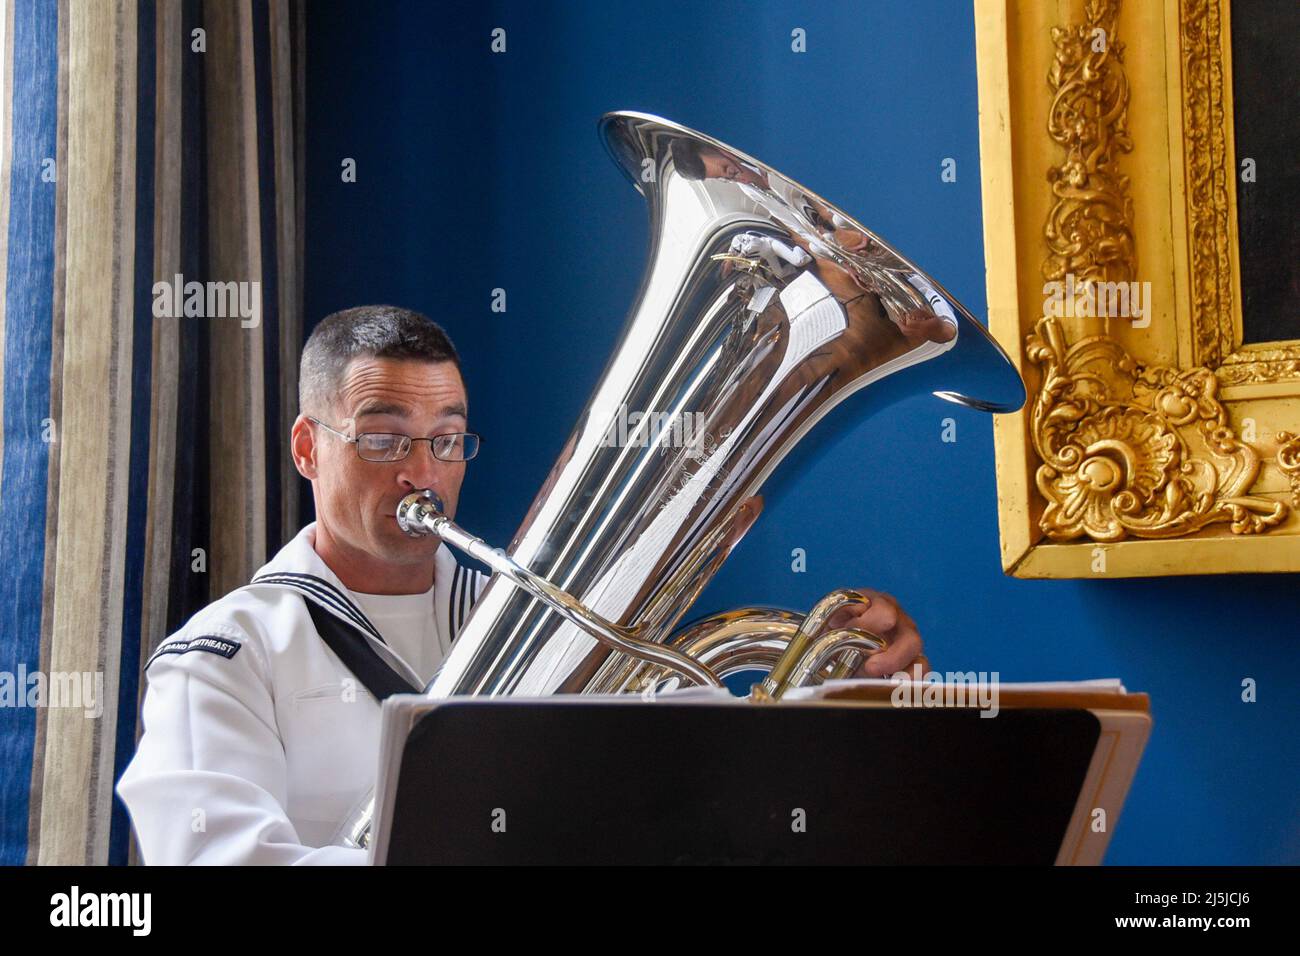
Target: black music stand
point(598, 781)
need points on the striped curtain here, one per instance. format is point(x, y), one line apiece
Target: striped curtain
point(144, 463)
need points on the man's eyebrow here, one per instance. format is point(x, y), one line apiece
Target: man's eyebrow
point(380, 407)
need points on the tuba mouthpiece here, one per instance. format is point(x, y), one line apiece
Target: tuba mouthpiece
point(417, 511)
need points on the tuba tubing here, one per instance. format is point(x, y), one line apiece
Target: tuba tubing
point(420, 513)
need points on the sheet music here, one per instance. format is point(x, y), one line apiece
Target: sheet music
point(1103, 685)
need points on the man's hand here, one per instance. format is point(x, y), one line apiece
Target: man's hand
point(885, 618)
point(922, 325)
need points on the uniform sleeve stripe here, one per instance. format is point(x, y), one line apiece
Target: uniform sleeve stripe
point(212, 643)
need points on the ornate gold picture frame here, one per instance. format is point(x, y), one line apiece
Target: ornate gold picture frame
point(1153, 441)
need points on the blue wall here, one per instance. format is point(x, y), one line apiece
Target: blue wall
point(478, 171)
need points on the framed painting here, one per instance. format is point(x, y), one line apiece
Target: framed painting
point(1141, 168)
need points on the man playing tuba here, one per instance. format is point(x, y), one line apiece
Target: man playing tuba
point(262, 712)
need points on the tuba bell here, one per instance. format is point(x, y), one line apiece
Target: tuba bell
point(762, 308)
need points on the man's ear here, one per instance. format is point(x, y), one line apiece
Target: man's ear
point(302, 445)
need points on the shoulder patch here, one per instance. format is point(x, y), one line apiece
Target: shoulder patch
point(212, 643)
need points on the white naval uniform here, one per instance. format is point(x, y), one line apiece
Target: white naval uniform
point(259, 742)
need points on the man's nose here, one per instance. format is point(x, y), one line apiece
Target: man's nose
point(420, 469)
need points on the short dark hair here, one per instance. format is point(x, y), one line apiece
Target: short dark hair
point(687, 159)
point(367, 331)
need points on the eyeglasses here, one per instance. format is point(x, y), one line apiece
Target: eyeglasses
point(383, 446)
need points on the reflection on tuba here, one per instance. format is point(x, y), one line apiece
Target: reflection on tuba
point(762, 309)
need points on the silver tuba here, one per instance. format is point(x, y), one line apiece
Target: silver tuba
point(762, 309)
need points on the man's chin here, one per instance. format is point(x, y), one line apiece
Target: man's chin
point(401, 547)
